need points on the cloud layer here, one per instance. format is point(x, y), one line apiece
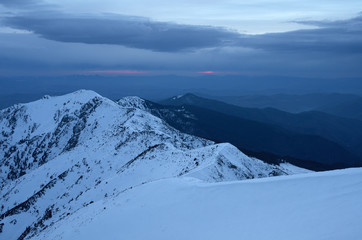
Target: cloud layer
point(344, 37)
point(75, 42)
point(134, 32)
point(19, 3)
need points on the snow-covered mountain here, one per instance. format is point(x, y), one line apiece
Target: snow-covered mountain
point(61, 155)
point(313, 206)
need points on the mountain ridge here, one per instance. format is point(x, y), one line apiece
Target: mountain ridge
point(251, 136)
point(63, 154)
point(343, 131)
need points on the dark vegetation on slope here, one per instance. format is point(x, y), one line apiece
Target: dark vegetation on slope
point(268, 142)
point(345, 132)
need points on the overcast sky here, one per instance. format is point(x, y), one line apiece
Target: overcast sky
point(313, 38)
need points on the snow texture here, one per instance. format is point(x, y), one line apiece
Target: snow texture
point(308, 206)
point(70, 157)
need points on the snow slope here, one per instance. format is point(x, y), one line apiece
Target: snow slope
point(325, 205)
point(60, 155)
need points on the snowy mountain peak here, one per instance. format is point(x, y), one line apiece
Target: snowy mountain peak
point(61, 154)
point(185, 99)
point(77, 96)
point(132, 102)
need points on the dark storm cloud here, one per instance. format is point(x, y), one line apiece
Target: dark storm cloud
point(131, 32)
point(341, 37)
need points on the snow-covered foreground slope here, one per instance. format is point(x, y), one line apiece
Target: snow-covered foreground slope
point(310, 206)
point(61, 155)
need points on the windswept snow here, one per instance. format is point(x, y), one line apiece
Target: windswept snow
point(308, 206)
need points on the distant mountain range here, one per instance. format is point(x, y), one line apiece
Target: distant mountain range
point(311, 136)
point(303, 93)
point(295, 103)
point(350, 109)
